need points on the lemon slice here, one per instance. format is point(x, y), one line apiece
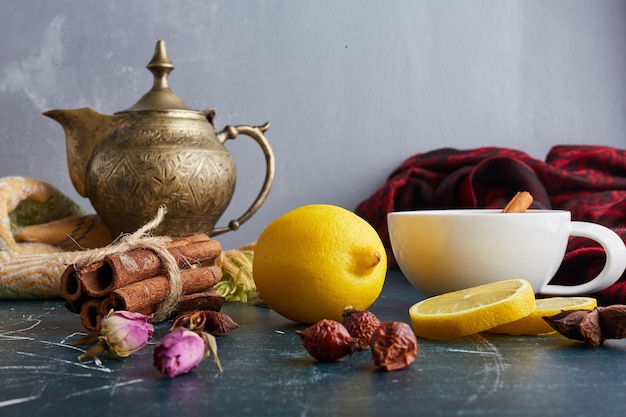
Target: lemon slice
point(534, 324)
point(472, 310)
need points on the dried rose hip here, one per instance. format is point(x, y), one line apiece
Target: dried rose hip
point(394, 346)
point(327, 341)
point(361, 325)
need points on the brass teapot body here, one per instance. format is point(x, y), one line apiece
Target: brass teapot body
point(158, 153)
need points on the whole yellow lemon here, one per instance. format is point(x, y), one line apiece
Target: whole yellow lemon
point(312, 262)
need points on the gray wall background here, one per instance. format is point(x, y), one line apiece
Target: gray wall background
point(351, 88)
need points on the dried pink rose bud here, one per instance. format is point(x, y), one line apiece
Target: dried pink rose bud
point(125, 332)
point(122, 334)
point(179, 352)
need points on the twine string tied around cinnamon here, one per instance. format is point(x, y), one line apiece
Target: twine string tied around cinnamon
point(143, 239)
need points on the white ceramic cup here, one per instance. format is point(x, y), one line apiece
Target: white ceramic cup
point(447, 250)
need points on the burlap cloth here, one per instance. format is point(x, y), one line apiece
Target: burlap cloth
point(40, 228)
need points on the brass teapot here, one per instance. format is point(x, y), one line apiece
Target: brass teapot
point(158, 152)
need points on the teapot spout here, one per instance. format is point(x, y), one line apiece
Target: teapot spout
point(85, 129)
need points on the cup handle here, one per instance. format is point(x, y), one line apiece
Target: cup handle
point(613, 268)
point(256, 133)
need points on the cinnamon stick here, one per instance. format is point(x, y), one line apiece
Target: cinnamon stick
point(76, 305)
point(72, 288)
point(121, 269)
point(90, 316)
point(520, 202)
point(144, 296)
point(206, 300)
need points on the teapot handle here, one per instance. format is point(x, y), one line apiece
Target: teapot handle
point(256, 133)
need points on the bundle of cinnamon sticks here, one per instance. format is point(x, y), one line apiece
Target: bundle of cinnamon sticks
point(136, 281)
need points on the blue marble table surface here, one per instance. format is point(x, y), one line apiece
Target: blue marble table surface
point(268, 373)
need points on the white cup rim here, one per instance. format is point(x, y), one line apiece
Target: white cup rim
point(472, 212)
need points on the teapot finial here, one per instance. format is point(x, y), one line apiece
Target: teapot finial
point(160, 97)
point(160, 65)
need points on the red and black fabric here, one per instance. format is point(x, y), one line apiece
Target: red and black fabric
point(589, 181)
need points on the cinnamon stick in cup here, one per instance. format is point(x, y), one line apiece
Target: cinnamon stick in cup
point(520, 202)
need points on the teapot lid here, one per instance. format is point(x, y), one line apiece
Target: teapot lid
point(160, 96)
